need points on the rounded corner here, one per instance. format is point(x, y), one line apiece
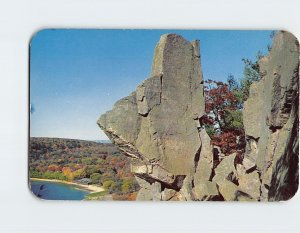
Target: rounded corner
point(35, 35)
point(32, 193)
point(292, 34)
point(290, 198)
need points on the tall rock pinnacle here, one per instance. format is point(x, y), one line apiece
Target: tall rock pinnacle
point(158, 124)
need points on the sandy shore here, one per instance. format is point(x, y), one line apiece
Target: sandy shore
point(91, 188)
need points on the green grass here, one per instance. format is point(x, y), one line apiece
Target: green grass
point(95, 196)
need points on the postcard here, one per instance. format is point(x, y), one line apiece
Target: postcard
point(164, 115)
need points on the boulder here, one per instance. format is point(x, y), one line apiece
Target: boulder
point(225, 169)
point(144, 195)
point(204, 165)
point(250, 184)
point(248, 164)
point(228, 190)
point(205, 191)
point(168, 194)
point(186, 189)
point(156, 191)
point(240, 170)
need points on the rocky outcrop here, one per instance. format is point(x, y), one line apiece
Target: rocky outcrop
point(270, 119)
point(158, 126)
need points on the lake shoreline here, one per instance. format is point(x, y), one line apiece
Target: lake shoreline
point(90, 188)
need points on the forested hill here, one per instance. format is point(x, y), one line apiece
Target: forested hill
point(82, 161)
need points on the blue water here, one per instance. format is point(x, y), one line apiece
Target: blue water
point(57, 191)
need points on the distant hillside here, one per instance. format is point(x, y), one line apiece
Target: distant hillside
point(102, 141)
point(82, 161)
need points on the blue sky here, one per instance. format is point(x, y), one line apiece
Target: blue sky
point(76, 75)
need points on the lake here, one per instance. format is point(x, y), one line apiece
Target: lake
point(57, 191)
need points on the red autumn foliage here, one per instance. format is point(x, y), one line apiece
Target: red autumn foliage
point(218, 100)
point(227, 141)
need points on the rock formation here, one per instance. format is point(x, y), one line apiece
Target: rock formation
point(271, 122)
point(158, 126)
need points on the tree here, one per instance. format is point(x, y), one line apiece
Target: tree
point(95, 177)
point(236, 89)
point(240, 89)
point(109, 185)
point(223, 119)
point(251, 74)
point(68, 173)
point(90, 169)
point(78, 174)
point(219, 101)
point(53, 168)
point(127, 186)
point(223, 106)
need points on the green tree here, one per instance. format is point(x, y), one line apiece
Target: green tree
point(87, 161)
point(251, 74)
point(128, 186)
point(109, 185)
point(240, 88)
point(91, 169)
point(95, 177)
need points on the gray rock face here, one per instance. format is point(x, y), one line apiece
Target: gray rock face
point(206, 191)
point(158, 124)
point(172, 158)
point(270, 118)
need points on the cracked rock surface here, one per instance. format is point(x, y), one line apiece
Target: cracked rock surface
point(271, 120)
point(171, 155)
